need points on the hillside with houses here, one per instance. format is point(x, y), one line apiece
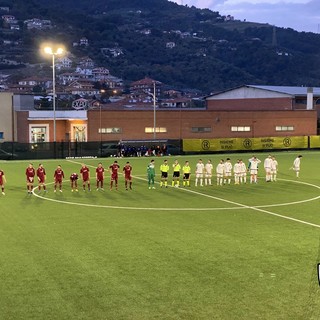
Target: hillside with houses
point(112, 44)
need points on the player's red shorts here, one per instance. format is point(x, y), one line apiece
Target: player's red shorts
point(41, 179)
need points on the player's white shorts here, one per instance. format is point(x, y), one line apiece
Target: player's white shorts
point(199, 175)
point(219, 175)
point(227, 174)
point(208, 175)
point(253, 171)
point(268, 170)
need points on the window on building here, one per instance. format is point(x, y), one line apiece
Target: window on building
point(38, 133)
point(158, 130)
point(1, 135)
point(201, 129)
point(240, 128)
point(79, 132)
point(301, 101)
point(109, 130)
point(284, 128)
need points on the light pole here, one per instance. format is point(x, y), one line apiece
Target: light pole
point(100, 122)
point(153, 95)
point(154, 110)
point(54, 53)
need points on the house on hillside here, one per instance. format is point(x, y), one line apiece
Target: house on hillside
point(39, 24)
point(86, 63)
point(82, 88)
point(144, 86)
point(44, 83)
point(63, 63)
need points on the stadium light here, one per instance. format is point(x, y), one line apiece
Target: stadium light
point(54, 52)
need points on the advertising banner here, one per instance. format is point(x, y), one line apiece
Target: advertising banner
point(242, 144)
point(314, 141)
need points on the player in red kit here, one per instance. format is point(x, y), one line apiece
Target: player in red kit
point(85, 173)
point(30, 173)
point(114, 168)
point(99, 176)
point(41, 174)
point(58, 177)
point(74, 182)
point(127, 169)
point(2, 181)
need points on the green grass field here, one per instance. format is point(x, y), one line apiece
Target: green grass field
point(228, 252)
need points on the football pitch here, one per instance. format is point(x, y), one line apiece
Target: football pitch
point(214, 252)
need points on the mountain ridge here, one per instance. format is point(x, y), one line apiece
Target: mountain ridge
point(208, 52)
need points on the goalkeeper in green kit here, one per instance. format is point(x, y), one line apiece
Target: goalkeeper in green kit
point(151, 171)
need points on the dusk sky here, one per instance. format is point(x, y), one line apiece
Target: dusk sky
point(301, 15)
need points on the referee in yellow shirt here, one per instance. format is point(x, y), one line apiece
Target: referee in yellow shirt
point(186, 170)
point(176, 174)
point(164, 168)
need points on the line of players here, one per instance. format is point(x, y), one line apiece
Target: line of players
point(58, 176)
point(239, 170)
point(204, 172)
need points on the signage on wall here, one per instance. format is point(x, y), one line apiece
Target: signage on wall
point(80, 104)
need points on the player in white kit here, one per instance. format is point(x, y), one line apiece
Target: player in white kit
point(274, 169)
point(253, 167)
point(296, 165)
point(208, 173)
point(199, 173)
point(267, 167)
point(220, 172)
point(227, 171)
point(237, 172)
point(243, 172)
